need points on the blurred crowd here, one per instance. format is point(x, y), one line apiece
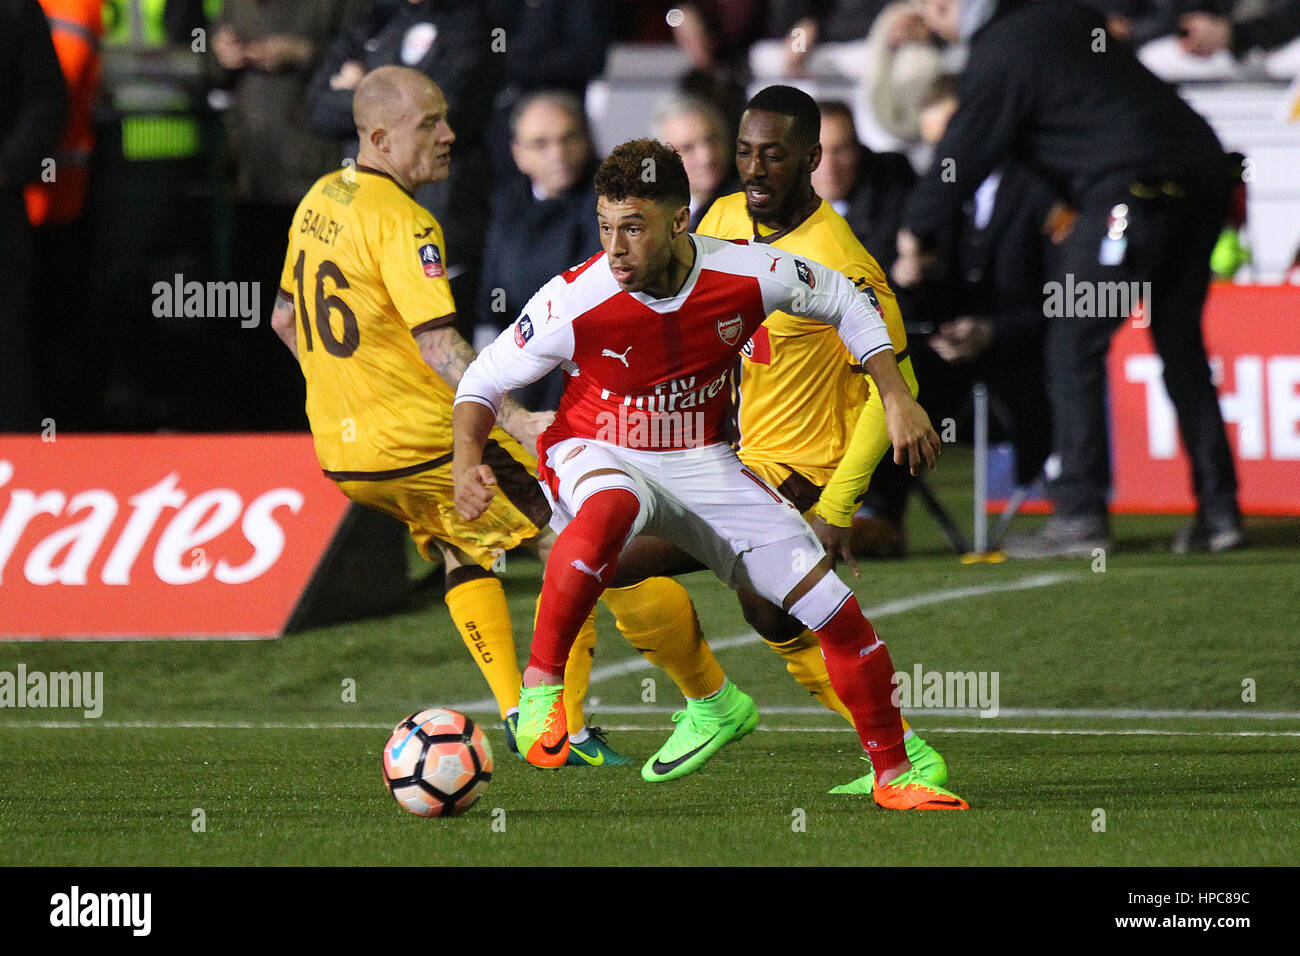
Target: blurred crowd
point(146, 145)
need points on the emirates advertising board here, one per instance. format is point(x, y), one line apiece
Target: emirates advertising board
point(159, 536)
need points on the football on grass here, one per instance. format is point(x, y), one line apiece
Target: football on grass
point(437, 763)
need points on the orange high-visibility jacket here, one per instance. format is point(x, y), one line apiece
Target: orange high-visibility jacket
point(77, 28)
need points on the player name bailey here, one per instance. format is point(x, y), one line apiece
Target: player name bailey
point(74, 909)
point(26, 688)
point(208, 300)
point(949, 690)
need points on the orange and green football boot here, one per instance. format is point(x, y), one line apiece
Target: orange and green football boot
point(925, 760)
point(911, 791)
point(542, 734)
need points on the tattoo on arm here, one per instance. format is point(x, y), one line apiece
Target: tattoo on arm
point(282, 321)
point(448, 354)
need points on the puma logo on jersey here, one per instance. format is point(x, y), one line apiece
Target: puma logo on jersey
point(622, 357)
point(775, 260)
point(550, 315)
point(582, 566)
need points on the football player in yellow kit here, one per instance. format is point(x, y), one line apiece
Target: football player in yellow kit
point(809, 425)
point(366, 308)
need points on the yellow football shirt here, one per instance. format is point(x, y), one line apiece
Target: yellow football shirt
point(365, 270)
point(800, 395)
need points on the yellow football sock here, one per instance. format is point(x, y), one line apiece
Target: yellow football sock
point(659, 620)
point(577, 669)
point(577, 673)
point(478, 609)
point(803, 659)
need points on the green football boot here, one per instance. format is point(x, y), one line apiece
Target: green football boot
point(702, 728)
point(595, 751)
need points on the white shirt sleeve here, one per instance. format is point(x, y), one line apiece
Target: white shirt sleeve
point(537, 342)
point(807, 288)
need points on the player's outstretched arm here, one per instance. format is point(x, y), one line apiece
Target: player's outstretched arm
point(448, 354)
point(283, 322)
point(473, 481)
point(915, 441)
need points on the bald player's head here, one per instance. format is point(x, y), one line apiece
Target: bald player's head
point(401, 119)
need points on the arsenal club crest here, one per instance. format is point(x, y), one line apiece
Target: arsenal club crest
point(729, 329)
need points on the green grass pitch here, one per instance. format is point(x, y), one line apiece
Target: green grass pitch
point(1120, 691)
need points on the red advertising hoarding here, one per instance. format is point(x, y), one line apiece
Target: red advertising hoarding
point(144, 535)
point(1252, 335)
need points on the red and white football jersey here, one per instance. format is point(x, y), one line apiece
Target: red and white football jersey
point(654, 373)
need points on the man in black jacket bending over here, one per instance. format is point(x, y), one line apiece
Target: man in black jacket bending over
point(1046, 85)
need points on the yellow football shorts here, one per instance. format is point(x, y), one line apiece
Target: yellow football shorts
point(802, 491)
point(425, 501)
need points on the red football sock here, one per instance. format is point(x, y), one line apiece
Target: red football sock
point(582, 561)
point(864, 683)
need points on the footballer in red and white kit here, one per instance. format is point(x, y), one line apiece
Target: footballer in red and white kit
point(647, 332)
point(649, 389)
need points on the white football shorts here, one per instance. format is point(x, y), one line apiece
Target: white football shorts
point(704, 500)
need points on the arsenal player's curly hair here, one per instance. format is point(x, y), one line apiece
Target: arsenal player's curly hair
point(644, 169)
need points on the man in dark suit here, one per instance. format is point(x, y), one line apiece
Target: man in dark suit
point(543, 222)
point(867, 188)
point(1148, 177)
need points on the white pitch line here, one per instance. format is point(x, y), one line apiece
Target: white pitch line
point(1018, 713)
point(841, 729)
point(901, 606)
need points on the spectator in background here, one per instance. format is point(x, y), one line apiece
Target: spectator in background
point(549, 45)
point(717, 36)
point(33, 104)
point(978, 315)
point(816, 37)
point(56, 208)
point(1138, 22)
point(450, 42)
point(1273, 30)
point(903, 58)
point(699, 132)
point(1209, 39)
point(867, 188)
point(543, 221)
point(265, 52)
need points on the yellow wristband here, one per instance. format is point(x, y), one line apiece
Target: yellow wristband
point(838, 518)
